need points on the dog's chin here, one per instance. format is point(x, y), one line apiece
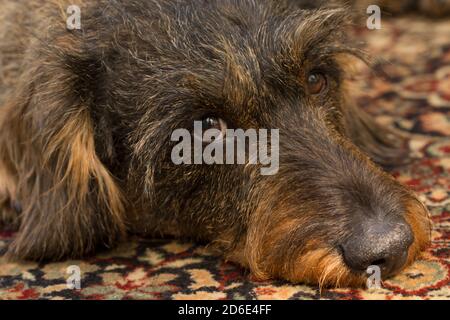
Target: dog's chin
point(326, 267)
point(323, 265)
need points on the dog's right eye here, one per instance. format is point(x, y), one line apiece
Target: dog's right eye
point(214, 123)
point(211, 123)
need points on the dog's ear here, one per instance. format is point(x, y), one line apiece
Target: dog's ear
point(71, 203)
point(385, 146)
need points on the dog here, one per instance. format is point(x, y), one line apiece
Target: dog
point(86, 117)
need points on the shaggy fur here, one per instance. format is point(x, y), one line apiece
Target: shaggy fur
point(86, 118)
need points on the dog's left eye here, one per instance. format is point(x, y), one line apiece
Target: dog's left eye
point(316, 82)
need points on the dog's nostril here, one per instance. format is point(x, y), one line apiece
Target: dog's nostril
point(381, 243)
point(378, 262)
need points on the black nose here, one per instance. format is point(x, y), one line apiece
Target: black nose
point(384, 243)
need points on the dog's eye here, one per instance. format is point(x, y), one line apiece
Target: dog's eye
point(316, 83)
point(213, 123)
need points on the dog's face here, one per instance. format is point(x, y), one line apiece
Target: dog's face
point(329, 212)
point(326, 214)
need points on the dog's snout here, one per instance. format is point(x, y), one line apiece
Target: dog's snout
point(384, 243)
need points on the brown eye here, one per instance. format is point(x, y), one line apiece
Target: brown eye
point(213, 123)
point(210, 123)
point(316, 83)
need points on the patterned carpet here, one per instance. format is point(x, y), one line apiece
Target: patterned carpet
point(415, 99)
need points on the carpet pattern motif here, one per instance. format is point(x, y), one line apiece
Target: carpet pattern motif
point(416, 99)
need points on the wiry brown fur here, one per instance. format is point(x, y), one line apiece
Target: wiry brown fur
point(51, 155)
point(86, 117)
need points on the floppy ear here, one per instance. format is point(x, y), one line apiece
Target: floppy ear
point(383, 145)
point(71, 204)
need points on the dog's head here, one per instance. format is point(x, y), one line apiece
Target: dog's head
point(154, 67)
point(329, 212)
